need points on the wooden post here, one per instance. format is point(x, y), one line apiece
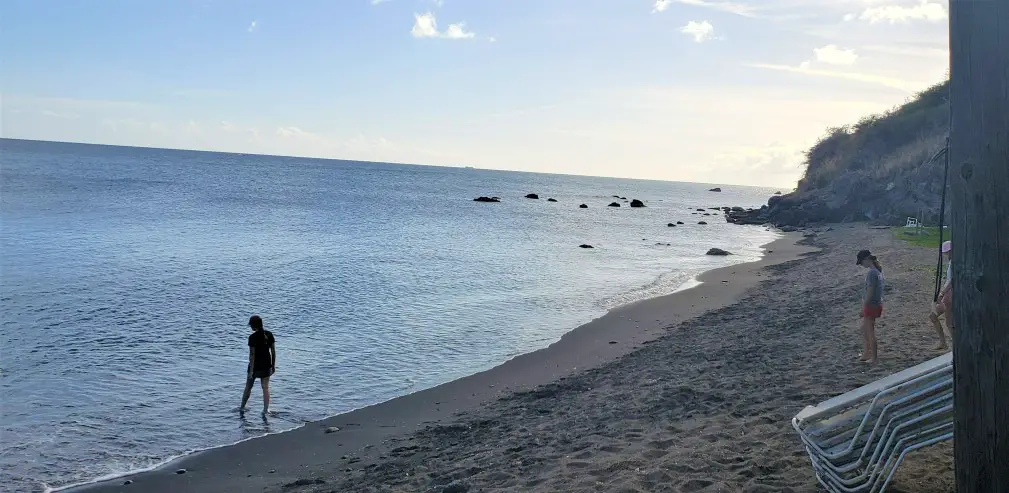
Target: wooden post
point(979, 186)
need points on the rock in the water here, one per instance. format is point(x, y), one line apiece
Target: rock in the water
point(585, 246)
point(614, 204)
point(551, 200)
point(532, 196)
point(623, 198)
point(332, 429)
point(180, 471)
point(701, 222)
point(637, 203)
point(679, 222)
point(778, 192)
point(583, 206)
point(700, 210)
point(486, 199)
point(716, 189)
point(305, 482)
point(127, 482)
point(671, 225)
point(717, 251)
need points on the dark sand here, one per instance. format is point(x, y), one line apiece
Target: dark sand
point(688, 392)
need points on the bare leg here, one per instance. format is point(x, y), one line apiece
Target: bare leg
point(265, 382)
point(937, 310)
point(248, 392)
point(869, 327)
point(948, 314)
point(865, 340)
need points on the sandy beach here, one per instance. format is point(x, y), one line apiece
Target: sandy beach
point(691, 392)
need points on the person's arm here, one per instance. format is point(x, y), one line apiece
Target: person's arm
point(273, 354)
point(870, 288)
point(252, 357)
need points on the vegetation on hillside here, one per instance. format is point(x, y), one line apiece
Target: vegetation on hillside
point(883, 145)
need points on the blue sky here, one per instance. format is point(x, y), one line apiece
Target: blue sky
point(693, 90)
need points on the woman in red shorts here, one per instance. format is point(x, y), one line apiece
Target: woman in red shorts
point(872, 304)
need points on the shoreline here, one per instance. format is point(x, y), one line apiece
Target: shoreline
point(255, 464)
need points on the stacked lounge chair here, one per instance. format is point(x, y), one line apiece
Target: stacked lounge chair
point(856, 440)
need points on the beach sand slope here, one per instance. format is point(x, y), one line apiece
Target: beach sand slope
point(705, 408)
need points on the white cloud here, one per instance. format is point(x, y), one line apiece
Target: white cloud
point(833, 55)
point(457, 31)
point(376, 2)
point(253, 25)
point(925, 10)
point(426, 26)
point(701, 31)
point(660, 6)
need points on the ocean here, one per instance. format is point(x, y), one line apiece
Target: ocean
point(128, 275)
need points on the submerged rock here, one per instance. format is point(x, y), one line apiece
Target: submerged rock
point(551, 200)
point(585, 246)
point(701, 222)
point(679, 222)
point(671, 225)
point(583, 206)
point(717, 251)
point(180, 471)
point(532, 196)
point(486, 199)
point(637, 203)
point(716, 189)
point(614, 204)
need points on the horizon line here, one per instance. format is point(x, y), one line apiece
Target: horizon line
point(474, 168)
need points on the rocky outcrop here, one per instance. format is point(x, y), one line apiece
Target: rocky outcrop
point(637, 203)
point(487, 199)
point(717, 252)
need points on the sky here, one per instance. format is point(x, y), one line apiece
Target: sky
point(712, 91)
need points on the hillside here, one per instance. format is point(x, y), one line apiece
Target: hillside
point(874, 170)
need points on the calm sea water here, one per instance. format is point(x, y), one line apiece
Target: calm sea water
point(128, 276)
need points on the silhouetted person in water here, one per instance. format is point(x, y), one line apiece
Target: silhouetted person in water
point(262, 361)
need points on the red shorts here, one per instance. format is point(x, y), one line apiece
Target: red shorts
point(872, 311)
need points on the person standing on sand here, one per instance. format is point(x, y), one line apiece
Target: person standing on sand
point(945, 304)
point(872, 304)
point(262, 361)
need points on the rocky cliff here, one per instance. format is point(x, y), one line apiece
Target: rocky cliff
point(876, 170)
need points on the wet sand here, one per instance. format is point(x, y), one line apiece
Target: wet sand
point(688, 392)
